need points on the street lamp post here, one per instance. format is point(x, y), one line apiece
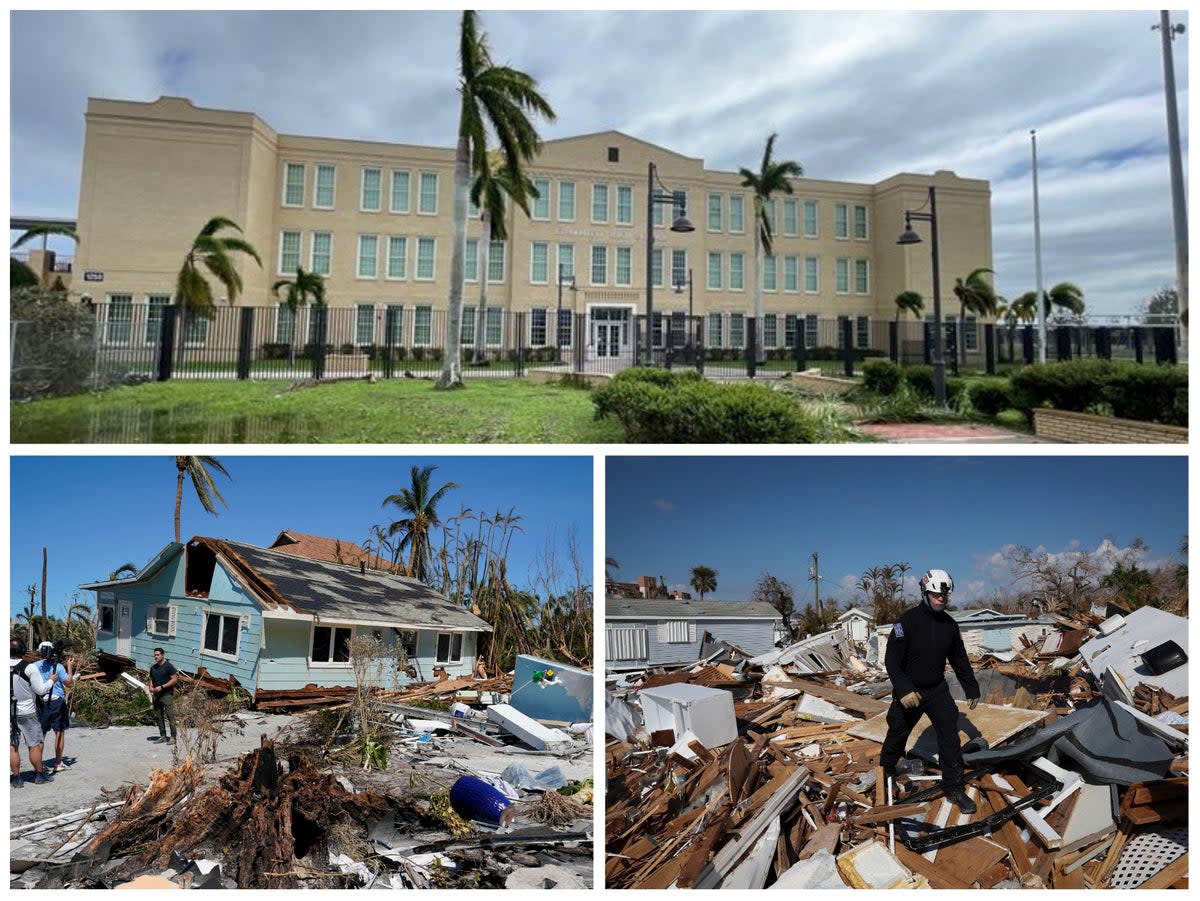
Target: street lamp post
point(911, 237)
point(690, 324)
point(562, 279)
point(681, 224)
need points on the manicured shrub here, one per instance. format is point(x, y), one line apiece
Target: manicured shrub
point(1142, 392)
point(920, 378)
point(1148, 393)
point(990, 395)
point(882, 377)
point(665, 407)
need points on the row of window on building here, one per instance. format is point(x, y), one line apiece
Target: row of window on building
point(607, 265)
point(610, 204)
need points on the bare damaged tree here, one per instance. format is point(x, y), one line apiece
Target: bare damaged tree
point(1068, 583)
point(780, 595)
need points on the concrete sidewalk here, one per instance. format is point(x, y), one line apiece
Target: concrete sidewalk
point(946, 433)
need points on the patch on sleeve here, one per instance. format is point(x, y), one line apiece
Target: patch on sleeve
point(898, 630)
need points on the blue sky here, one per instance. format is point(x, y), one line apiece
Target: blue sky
point(746, 516)
point(95, 513)
point(855, 95)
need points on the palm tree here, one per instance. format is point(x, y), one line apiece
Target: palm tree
point(495, 182)
point(610, 568)
point(124, 571)
point(21, 272)
point(193, 293)
point(197, 469)
point(1065, 296)
point(496, 99)
point(28, 615)
point(906, 302)
point(976, 294)
point(902, 570)
point(772, 176)
point(298, 291)
point(419, 505)
point(704, 580)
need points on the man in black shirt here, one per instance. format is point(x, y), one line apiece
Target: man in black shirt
point(163, 677)
point(922, 641)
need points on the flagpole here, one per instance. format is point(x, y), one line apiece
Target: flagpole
point(1037, 254)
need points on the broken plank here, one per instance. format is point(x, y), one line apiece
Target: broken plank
point(887, 813)
point(1169, 875)
point(855, 703)
point(919, 865)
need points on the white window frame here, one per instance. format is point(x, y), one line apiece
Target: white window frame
point(359, 309)
point(862, 332)
point(770, 330)
point(421, 211)
point(333, 630)
point(658, 266)
point(791, 267)
point(497, 251)
point(719, 209)
point(287, 168)
point(816, 219)
point(533, 278)
point(866, 269)
point(539, 320)
point(152, 620)
point(426, 310)
point(770, 272)
point(623, 250)
point(714, 328)
point(840, 264)
point(844, 209)
point(559, 262)
point(432, 243)
point(790, 204)
point(281, 269)
point(738, 201)
point(149, 339)
point(816, 270)
point(358, 259)
point(112, 609)
point(593, 258)
point(574, 201)
point(392, 208)
point(599, 190)
point(437, 652)
point(542, 200)
point(362, 191)
point(624, 191)
point(471, 261)
point(403, 276)
point(737, 330)
point(208, 652)
point(312, 254)
point(741, 257)
point(717, 284)
point(332, 187)
point(866, 235)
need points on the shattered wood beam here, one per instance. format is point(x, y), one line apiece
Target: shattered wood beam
point(887, 813)
point(855, 703)
point(1169, 875)
point(937, 877)
point(731, 853)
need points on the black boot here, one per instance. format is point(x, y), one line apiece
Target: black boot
point(956, 796)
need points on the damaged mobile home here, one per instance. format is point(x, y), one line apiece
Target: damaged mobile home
point(762, 771)
point(273, 620)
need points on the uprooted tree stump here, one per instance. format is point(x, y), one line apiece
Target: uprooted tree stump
point(270, 830)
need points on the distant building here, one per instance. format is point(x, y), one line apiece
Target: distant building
point(856, 622)
point(641, 633)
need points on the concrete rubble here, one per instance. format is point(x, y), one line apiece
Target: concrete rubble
point(292, 814)
point(763, 772)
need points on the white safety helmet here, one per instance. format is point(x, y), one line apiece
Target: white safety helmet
point(938, 581)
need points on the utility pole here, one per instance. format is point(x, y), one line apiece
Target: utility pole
point(814, 576)
point(1178, 201)
point(45, 622)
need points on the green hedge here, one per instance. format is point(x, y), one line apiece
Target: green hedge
point(1132, 391)
point(658, 406)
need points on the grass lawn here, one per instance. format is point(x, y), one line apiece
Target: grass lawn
point(405, 411)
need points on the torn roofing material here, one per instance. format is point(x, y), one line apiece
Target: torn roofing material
point(332, 591)
point(1121, 645)
point(332, 550)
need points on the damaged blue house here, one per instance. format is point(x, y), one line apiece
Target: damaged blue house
point(274, 621)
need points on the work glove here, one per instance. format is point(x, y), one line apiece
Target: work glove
point(974, 703)
point(911, 700)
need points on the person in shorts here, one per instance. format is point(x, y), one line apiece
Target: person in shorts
point(53, 712)
point(26, 685)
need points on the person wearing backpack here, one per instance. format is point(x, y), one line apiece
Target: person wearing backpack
point(52, 711)
point(26, 685)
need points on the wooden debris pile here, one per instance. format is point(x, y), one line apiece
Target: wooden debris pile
point(798, 798)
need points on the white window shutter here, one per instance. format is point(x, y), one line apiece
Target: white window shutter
point(244, 622)
point(150, 621)
point(171, 621)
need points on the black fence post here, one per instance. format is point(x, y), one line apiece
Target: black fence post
point(668, 339)
point(1138, 351)
point(389, 346)
point(700, 346)
point(847, 345)
point(166, 343)
point(520, 350)
point(751, 346)
point(927, 350)
point(894, 341)
point(952, 350)
point(989, 338)
point(1164, 346)
point(1062, 338)
point(320, 312)
point(1027, 344)
point(799, 348)
point(1103, 339)
point(245, 348)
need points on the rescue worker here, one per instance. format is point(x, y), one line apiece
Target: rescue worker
point(922, 641)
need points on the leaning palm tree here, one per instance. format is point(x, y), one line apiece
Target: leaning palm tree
point(1065, 296)
point(214, 252)
point(495, 182)
point(704, 580)
point(772, 176)
point(297, 292)
point(976, 295)
point(909, 302)
point(43, 232)
point(197, 469)
point(495, 99)
point(418, 503)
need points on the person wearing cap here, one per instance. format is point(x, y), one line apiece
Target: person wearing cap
point(54, 713)
point(26, 685)
point(923, 640)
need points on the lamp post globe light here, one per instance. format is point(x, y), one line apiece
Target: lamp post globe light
point(681, 224)
point(939, 342)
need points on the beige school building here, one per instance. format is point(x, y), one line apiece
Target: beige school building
point(375, 220)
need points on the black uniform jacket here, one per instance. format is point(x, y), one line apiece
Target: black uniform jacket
point(921, 643)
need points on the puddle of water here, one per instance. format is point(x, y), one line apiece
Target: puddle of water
point(183, 425)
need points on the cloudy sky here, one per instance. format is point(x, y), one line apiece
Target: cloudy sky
point(745, 516)
point(854, 96)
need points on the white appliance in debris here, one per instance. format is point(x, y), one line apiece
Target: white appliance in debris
point(705, 712)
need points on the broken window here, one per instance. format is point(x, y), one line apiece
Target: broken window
point(221, 634)
point(107, 617)
point(331, 644)
point(408, 639)
point(449, 648)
